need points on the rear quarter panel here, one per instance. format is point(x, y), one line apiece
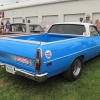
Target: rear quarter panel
point(63, 53)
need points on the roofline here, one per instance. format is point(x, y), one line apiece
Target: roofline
point(32, 5)
point(25, 23)
point(73, 23)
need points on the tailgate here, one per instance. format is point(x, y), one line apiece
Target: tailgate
point(18, 53)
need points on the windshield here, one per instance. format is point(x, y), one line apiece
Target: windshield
point(67, 29)
point(35, 28)
point(18, 28)
point(46, 24)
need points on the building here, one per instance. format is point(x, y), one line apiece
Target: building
point(59, 10)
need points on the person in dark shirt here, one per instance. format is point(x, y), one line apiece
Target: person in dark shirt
point(2, 27)
point(80, 20)
point(28, 21)
point(7, 26)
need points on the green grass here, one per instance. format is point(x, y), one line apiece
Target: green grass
point(87, 87)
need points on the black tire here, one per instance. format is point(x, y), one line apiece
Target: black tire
point(74, 70)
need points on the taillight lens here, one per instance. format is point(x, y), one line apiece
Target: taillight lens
point(38, 59)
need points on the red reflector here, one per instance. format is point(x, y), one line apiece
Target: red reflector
point(38, 54)
point(37, 66)
point(49, 64)
point(38, 60)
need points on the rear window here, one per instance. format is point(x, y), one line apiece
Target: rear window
point(18, 28)
point(67, 29)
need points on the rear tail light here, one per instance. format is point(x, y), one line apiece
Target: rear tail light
point(38, 60)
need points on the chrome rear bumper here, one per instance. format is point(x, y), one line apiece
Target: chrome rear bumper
point(37, 77)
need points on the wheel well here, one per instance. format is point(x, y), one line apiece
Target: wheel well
point(77, 57)
point(82, 56)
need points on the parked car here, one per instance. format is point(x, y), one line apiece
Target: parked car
point(63, 49)
point(23, 29)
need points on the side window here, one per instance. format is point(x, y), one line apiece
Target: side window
point(93, 31)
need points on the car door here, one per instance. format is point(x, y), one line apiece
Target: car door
point(95, 39)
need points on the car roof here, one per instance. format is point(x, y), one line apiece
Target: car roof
point(78, 23)
point(25, 23)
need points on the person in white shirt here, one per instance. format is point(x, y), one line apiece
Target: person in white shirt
point(80, 20)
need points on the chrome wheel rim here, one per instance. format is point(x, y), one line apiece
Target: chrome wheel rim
point(76, 67)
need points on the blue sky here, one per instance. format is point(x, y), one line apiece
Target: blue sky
point(8, 1)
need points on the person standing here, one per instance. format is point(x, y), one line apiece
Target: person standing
point(2, 27)
point(29, 21)
point(80, 20)
point(7, 26)
point(87, 20)
point(97, 24)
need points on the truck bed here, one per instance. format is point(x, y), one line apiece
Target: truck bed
point(47, 37)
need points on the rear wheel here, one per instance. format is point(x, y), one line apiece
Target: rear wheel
point(74, 70)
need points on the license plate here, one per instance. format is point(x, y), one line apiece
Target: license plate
point(10, 69)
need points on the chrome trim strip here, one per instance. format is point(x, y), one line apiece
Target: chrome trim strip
point(66, 34)
point(46, 43)
point(36, 77)
point(24, 35)
point(39, 75)
point(70, 54)
point(39, 42)
point(19, 40)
